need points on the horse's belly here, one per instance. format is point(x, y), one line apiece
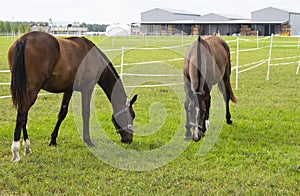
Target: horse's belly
point(56, 84)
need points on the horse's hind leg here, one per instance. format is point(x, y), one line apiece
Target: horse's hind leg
point(223, 86)
point(61, 116)
point(21, 123)
point(26, 142)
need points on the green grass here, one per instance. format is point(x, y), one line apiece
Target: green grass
point(258, 155)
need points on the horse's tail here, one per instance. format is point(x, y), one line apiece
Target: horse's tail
point(227, 73)
point(228, 70)
point(231, 95)
point(18, 76)
point(199, 53)
point(199, 61)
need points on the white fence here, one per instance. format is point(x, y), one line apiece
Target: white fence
point(238, 68)
point(268, 60)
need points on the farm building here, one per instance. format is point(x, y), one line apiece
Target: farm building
point(118, 30)
point(265, 21)
point(290, 20)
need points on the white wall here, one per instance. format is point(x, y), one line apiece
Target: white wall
point(295, 24)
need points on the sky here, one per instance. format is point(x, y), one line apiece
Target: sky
point(126, 11)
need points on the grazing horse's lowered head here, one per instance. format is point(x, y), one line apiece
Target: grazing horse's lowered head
point(123, 121)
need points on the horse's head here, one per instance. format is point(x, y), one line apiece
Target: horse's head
point(123, 121)
point(199, 112)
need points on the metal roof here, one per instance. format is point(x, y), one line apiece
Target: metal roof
point(227, 16)
point(213, 22)
point(174, 11)
point(289, 10)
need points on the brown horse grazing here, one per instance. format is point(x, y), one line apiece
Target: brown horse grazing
point(207, 63)
point(40, 61)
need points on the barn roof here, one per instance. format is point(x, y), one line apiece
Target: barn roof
point(174, 11)
point(274, 8)
point(213, 22)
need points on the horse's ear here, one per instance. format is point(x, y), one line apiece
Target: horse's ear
point(133, 100)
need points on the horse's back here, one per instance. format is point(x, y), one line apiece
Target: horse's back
point(215, 61)
point(62, 75)
point(51, 62)
point(224, 53)
point(41, 51)
point(220, 53)
point(37, 46)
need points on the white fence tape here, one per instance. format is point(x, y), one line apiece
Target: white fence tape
point(259, 64)
point(150, 62)
point(154, 85)
point(5, 97)
point(252, 65)
point(153, 75)
point(40, 94)
point(4, 71)
point(4, 83)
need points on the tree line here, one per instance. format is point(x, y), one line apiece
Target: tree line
point(95, 27)
point(9, 27)
point(23, 27)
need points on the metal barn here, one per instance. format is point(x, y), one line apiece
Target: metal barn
point(265, 21)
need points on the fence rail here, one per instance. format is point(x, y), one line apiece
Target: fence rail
point(238, 68)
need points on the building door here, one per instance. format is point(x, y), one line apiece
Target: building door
point(269, 29)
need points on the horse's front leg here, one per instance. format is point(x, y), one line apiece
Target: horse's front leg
point(188, 135)
point(61, 116)
point(86, 100)
point(206, 116)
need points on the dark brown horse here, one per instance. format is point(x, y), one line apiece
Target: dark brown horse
point(207, 63)
point(41, 61)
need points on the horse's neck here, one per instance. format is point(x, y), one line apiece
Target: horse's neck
point(113, 88)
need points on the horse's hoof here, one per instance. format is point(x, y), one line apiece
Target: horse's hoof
point(229, 122)
point(26, 145)
point(89, 143)
point(52, 143)
point(15, 159)
point(15, 149)
point(188, 137)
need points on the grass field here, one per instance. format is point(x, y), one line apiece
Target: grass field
point(258, 155)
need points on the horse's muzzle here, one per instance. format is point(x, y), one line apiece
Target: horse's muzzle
point(126, 141)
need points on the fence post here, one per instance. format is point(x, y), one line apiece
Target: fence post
point(257, 44)
point(298, 40)
point(269, 60)
point(113, 41)
point(237, 64)
point(122, 63)
point(297, 72)
point(182, 38)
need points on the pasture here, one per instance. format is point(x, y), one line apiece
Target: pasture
point(259, 154)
